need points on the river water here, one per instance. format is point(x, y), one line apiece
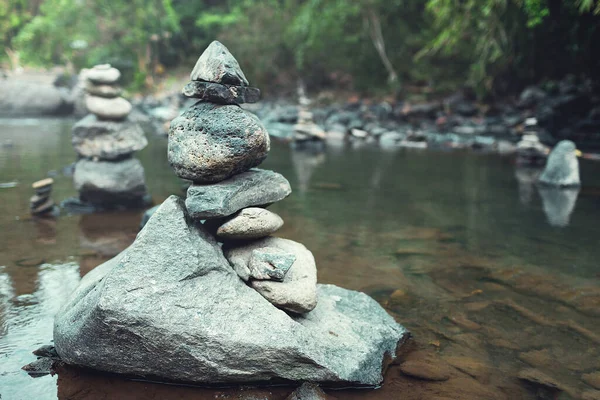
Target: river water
point(497, 281)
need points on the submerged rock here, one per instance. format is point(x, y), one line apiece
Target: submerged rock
point(107, 140)
point(257, 187)
point(114, 109)
point(209, 143)
point(297, 292)
point(181, 313)
point(218, 65)
point(250, 223)
point(562, 167)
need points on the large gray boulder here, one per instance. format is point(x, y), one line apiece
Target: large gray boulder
point(170, 307)
point(218, 65)
point(109, 182)
point(209, 143)
point(20, 98)
point(257, 187)
point(107, 140)
point(562, 167)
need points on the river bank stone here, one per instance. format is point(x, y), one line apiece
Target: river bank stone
point(217, 64)
point(562, 167)
point(256, 187)
point(250, 223)
point(221, 94)
point(297, 292)
point(107, 140)
point(209, 143)
point(113, 109)
point(108, 182)
point(181, 313)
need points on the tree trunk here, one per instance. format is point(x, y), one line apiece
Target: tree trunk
point(374, 25)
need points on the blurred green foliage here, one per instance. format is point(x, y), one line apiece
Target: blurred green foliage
point(366, 45)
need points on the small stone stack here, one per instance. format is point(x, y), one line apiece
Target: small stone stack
point(40, 204)
point(306, 129)
point(107, 175)
point(216, 144)
point(530, 151)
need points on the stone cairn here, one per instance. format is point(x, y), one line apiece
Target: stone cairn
point(106, 175)
point(530, 151)
point(40, 204)
point(179, 305)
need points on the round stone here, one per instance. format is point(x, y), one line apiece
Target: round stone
point(209, 143)
point(114, 109)
point(108, 91)
point(103, 74)
point(250, 223)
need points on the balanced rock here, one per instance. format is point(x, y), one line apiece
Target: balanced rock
point(103, 74)
point(179, 312)
point(256, 187)
point(107, 140)
point(221, 94)
point(562, 168)
point(209, 143)
point(270, 263)
point(250, 223)
point(108, 91)
point(297, 292)
point(218, 65)
point(115, 109)
point(107, 182)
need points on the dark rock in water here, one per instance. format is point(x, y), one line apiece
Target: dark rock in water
point(181, 313)
point(107, 140)
point(221, 94)
point(308, 391)
point(218, 65)
point(147, 215)
point(209, 143)
point(46, 351)
point(562, 167)
point(24, 98)
point(256, 187)
point(106, 182)
point(250, 223)
point(559, 204)
point(40, 367)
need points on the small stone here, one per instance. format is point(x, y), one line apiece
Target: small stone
point(592, 379)
point(308, 391)
point(218, 65)
point(562, 167)
point(44, 183)
point(103, 74)
point(108, 91)
point(270, 264)
point(297, 293)
point(428, 371)
point(40, 367)
point(222, 94)
point(107, 140)
point(250, 223)
point(37, 200)
point(256, 187)
point(43, 208)
point(209, 143)
point(113, 109)
point(46, 351)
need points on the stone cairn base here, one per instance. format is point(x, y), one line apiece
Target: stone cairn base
point(107, 175)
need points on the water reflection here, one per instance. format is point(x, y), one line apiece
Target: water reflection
point(558, 204)
point(527, 177)
point(306, 158)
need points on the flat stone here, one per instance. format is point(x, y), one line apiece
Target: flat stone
point(222, 94)
point(170, 307)
point(107, 182)
point(562, 167)
point(257, 187)
point(425, 370)
point(44, 208)
point(113, 109)
point(37, 200)
point(218, 65)
point(44, 183)
point(209, 143)
point(108, 91)
point(270, 263)
point(250, 223)
point(107, 140)
point(103, 74)
point(297, 293)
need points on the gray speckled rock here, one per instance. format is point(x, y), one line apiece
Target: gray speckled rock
point(270, 263)
point(116, 108)
point(108, 91)
point(298, 291)
point(109, 182)
point(562, 167)
point(222, 94)
point(179, 312)
point(250, 223)
point(218, 65)
point(107, 140)
point(209, 143)
point(257, 187)
point(103, 74)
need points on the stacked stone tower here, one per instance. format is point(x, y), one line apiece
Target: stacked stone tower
point(106, 174)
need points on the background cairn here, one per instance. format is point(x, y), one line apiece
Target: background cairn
point(216, 144)
point(106, 174)
point(40, 204)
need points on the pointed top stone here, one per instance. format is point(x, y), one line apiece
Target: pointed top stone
point(218, 65)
